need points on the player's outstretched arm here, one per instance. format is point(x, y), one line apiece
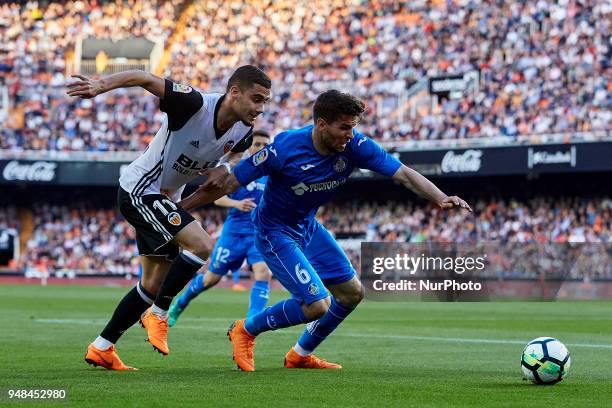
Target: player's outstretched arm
point(416, 182)
point(87, 88)
point(205, 195)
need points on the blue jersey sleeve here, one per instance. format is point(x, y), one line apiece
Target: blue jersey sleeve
point(368, 154)
point(262, 163)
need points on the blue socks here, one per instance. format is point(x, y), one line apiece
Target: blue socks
point(282, 314)
point(236, 277)
point(259, 297)
point(318, 330)
point(196, 286)
point(289, 313)
point(259, 294)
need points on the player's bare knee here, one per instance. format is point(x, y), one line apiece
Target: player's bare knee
point(351, 297)
point(211, 279)
point(264, 274)
point(316, 309)
point(201, 247)
point(151, 285)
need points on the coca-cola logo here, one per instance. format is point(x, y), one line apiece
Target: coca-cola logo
point(36, 171)
point(466, 162)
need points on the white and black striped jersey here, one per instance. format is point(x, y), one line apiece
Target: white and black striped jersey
point(187, 142)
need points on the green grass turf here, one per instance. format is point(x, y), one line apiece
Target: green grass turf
point(394, 354)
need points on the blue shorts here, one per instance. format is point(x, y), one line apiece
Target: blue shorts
point(304, 271)
point(230, 252)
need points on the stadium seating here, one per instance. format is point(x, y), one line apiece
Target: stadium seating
point(553, 74)
point(93, 240)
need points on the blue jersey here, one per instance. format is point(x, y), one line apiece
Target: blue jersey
point(301, 179)
point(239, 222)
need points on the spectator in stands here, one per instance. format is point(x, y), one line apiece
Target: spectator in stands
point(91, 240)
point(544, 66)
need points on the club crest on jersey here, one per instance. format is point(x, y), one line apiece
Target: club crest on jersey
point(182, 88)
point(228, 146)
point(313, 289)
point(340, 164)
point(174, 218)
point(271, 322)
point(260, 157)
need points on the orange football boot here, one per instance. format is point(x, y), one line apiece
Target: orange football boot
point(238, 288)
point(157, 331)
point(294, 360)
point(243, 344)
point(105, 358)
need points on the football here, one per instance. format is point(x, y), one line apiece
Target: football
point(545, 360)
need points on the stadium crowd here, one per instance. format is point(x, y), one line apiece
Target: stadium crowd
point(538, 220)
point(80, 239)
point(544, 66)
point(92, 240)
point(9, 218)
point(83, 239)
point(37, 41)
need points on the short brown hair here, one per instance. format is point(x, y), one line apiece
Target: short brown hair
point(332, 104)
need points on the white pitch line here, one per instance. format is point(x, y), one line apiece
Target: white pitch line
point(462, 340)
point(71, 321)
point(103, 321)
point(339, 334)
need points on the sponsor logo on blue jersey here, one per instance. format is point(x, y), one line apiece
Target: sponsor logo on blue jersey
point(301, 188)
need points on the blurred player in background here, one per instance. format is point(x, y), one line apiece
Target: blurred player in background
point(304, 168)
point(235, 244)
point(236, 285)
point(200, 131)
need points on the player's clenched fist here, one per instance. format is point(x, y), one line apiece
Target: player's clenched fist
point(85, 88)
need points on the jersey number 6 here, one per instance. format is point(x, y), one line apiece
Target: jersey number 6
point(302, 274)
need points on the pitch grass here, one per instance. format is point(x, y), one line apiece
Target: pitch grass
point(394, 354)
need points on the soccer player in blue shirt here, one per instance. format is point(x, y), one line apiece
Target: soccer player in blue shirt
point(305, 167)
point(234, 245)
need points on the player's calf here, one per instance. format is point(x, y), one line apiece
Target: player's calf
point(346, 298)
point(197, 246)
